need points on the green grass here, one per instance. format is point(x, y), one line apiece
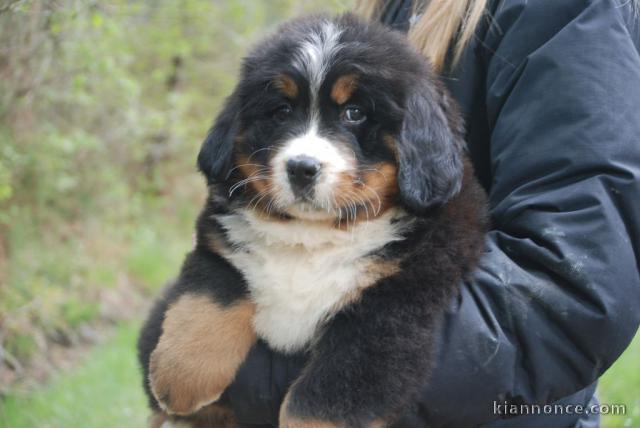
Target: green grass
point(104, 391)
point(621, 385)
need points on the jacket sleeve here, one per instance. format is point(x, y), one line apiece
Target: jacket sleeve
point(556, 298)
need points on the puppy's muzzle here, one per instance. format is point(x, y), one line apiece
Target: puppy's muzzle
point(303, 172)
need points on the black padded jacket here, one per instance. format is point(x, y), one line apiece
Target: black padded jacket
point(550, 91)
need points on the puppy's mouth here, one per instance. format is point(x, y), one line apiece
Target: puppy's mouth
point(309, 210)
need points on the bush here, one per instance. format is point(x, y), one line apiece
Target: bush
point(102, 108)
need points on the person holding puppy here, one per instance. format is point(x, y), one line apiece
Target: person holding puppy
point(550, 92)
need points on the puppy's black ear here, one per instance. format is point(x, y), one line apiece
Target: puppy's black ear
point(429, 149)
point(216, 154)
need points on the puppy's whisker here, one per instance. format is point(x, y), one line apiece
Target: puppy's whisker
point(377, 195)
point(271, 201)
point(363, 203)
point(259, 150)
point(257, 198)
point(261, 167)
point(337, 209)
point(245, 182)
point(254, 198)
point(384, 176)
point(260, 200)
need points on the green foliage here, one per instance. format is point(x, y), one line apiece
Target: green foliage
point(105, 391)
point(102, 109)
point(75, 312)
point(22, 346)
point(621, 385)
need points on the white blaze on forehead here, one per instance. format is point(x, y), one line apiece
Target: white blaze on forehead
point(314, 57)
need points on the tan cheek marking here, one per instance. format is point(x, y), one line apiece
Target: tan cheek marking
point(287, 86)
point(250, 169)
point(383, 180)
point(343, 88)
point(199, 352)
point(378, 192)
point(391, 144)
point(378, 189)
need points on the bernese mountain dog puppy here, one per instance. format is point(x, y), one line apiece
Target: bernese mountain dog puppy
point(342, 216)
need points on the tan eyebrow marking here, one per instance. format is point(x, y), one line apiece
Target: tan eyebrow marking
point(343, 88)
point(286, 85)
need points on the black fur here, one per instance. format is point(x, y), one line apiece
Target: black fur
point(430, 156)
point(369, 360)
point(216, 155)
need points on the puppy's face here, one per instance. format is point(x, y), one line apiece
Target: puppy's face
point(335, 119)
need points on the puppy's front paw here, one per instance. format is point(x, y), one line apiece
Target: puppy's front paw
point(180, 384)
point(201, 347)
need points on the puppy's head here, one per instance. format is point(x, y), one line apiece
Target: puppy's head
point(335, 119)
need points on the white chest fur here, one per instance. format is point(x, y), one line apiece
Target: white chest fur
point(299, 273)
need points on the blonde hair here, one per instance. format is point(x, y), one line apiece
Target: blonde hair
point(444, 24)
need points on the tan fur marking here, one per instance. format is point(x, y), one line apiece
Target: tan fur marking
point(343, 88)
point(287, 420)
point(261, 187)
point(287, 86)
point(375, 270)
point(199, 352)
point(291, 422)
point(250, 169)
point(374, 193)
point(383, 180)
point(391, 144)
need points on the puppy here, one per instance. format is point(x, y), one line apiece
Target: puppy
point(342, 216)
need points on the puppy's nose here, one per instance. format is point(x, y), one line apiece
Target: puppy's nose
point(302, 171)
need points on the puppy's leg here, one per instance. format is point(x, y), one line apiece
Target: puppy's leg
point(370, 362)
point(202, 345)
point(206, 332)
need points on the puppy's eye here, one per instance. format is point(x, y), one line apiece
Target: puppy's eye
point(353, 115)
point(282, 112)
